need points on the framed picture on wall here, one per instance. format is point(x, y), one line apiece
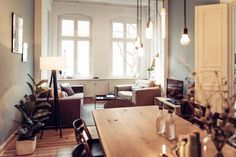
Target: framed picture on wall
point(25, 52)
point(17, 34)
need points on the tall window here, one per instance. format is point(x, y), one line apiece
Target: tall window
point(74, 44)
point(124, 55)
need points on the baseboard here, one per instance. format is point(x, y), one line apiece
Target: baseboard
point(7, 142)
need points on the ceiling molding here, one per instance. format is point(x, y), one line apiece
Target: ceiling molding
point(107, 2)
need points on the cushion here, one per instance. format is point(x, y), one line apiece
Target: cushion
point(61, 94)
point(125, 94)
point(45, 94)
point(64, 94)
point(135, 87)
point(139, 84)
point(67, 88)
point(77, 95)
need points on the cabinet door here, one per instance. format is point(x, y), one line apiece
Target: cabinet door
point(211, 54)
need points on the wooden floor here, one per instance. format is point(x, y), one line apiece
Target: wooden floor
point(51, 145)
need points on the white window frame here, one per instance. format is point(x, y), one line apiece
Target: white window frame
point(75, 38)
point(125, 40)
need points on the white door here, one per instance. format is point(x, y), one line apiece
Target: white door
point(211, 54)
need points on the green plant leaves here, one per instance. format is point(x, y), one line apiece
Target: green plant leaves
point(33, 114)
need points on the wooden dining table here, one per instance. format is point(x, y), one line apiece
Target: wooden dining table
point(131, 132)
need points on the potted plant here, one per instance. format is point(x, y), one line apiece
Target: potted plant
point(33, 117)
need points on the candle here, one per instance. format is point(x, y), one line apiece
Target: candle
point(204, 147)
point(164, 154)
point(163, 149)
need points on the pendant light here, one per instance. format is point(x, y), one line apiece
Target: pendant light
point(141, 51)
point(149, 28)
point(163, 20)
point(185, 38)
point(138, 43)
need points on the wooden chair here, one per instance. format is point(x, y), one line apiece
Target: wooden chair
point(83, 135)
point(81, 150)
point(119, 103)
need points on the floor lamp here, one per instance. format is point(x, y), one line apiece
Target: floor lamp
point(54, 64)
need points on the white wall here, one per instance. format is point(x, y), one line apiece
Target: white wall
point(101, 31)
point(43, 10)
point(13, 71)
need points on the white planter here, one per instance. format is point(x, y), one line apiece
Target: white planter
point(25, 147)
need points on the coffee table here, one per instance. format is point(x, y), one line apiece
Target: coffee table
point(107, 97)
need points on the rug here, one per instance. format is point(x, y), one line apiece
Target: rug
point(86, 112)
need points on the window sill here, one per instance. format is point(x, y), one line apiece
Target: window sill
point(92, 79)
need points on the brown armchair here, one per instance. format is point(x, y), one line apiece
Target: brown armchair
point(146, 96)
point(141, 95)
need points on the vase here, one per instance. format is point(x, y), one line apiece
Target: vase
point(219, 146)
point(219, 152)
point(25, 147)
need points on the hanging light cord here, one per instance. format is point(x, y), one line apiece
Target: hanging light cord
point(141, 13)
point(157, 13)
point(149, 6)
point(185, 14)
point(137, 18)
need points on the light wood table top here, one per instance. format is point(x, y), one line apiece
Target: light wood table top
point(131, 132)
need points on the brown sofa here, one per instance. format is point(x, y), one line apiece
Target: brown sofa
point(69, 109)
point(141, 95)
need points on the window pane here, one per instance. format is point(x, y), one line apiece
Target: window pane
point(83, 28)
point(131, 31)
point(68, 52)
point(118, 30)
point(117, 58)
point(131, 59)
point(67, 28)
point(83, 59)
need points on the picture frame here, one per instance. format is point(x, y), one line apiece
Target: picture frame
point(25, 52)
point(17, 34)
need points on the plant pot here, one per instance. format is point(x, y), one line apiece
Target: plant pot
point(25, 147)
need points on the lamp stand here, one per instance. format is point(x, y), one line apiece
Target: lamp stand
point(55, 102)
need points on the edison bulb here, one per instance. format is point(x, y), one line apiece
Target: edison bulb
point(149, 30)
point(137, 43)
point(163, 11)
point(185, 39)
point(140, 51)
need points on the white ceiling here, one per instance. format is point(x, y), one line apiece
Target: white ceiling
point(114, 2)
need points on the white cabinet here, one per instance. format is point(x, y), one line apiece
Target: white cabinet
point(211, 53)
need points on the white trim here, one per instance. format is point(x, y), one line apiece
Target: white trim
point(7, 142)
point(75, 17)
point(95, 2)
point(164, 56)
point(227, 1)
point(125, 40)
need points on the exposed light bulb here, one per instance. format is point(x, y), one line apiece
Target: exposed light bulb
point(149, 30)
point(140, 50)
point(185, 38)
point(137, 43)
point(163, 22)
